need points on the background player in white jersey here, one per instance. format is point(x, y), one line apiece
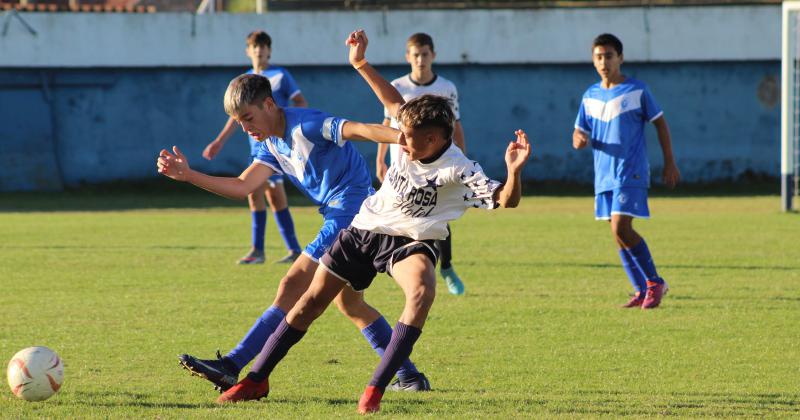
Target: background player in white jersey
point(422, 80)
point(309, 147)
point(285, 92)
point(611, 119)
point(430, 184)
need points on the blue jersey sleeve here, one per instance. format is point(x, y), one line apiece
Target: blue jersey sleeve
point(582, 121)
point(650, 108)
point(324, 129)
point(265, 157)
point(289, 85)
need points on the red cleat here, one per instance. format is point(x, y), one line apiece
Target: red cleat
point(370, 401)
point(246, 390)
point(635, 302)
point(655, 291)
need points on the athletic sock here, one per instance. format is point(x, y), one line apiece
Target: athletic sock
point(445, 247)
point(643, 259)
point(274, 350)
point(259, 226)
point(403, 339)
point(379, 335)
point(285, 224)
point(634, 274)
point(254, 340)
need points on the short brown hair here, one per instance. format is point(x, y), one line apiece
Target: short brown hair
point(244, 90)
point(420, 39)
point(259, 38)
point(428, 111)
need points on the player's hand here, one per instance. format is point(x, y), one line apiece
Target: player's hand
point(211, 151)
point(579, 139)
point(518, 152)
point(357, 41)
point(380, 170)
point(172, 165)
point(671, 174)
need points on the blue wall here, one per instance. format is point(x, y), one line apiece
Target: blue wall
point(67, 127)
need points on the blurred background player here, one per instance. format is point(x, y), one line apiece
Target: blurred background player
point(612, 118)
point(423, 81)
point(286, 93)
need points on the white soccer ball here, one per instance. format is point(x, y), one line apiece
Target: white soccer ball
point(35, 373)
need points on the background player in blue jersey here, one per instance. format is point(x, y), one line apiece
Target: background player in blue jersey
point(285, 92)
point(309, 147)
point(612, 118)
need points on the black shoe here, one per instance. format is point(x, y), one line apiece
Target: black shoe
point(214, 371)
point(416, 383)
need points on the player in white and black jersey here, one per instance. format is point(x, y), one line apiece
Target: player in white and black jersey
point(431, 184)
point(420, 54)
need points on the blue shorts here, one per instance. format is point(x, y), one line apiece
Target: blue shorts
point(337, 215)
point(627, 201)
point(274, 179)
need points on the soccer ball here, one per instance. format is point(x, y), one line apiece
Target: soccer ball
point(35, 373)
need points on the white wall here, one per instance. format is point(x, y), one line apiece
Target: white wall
point(317, 38)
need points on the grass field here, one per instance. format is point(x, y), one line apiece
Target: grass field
point(119, 285)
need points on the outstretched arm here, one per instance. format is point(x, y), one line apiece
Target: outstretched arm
point(517, 153)
point(671, 173)
point(378, 133)
point(175, 166)
point(386, 93)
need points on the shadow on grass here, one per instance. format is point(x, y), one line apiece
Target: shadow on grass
point(517, 263)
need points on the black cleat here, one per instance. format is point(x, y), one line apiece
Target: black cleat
point(212, 370)
point(416, 383)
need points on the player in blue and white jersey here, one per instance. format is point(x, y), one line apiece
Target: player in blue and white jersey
point(285, 92)
point(422, 80)
point(308, 146)
point(431, 184)
point(611, 119)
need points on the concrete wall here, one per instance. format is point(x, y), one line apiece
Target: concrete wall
point(70, 114)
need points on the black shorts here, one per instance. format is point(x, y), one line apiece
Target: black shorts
point(357, 256)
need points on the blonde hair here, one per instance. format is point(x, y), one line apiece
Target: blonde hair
point(244, 90)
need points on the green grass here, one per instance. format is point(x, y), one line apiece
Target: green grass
point(119, 293)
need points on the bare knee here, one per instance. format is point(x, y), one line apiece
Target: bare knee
point(308, 308)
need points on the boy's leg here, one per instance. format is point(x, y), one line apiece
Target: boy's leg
point(224, 371)
point(276, 196)
point(416, 276)
point(311, 305)
point(258, 214)
point(636, 247)
point(378, 333)
point(445, 246)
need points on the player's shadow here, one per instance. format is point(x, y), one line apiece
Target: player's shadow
point(561, 264)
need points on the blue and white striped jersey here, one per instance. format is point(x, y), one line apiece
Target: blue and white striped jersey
point(315, 157)
point(615, 119)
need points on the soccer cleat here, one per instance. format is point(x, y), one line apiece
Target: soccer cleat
point(655, 291)
point(212, 370)
point(370, 401)
point(416, 383)
point(255, 256)
point(635, 302)
point(454, 284)
point(289, 258)
point(246, 390)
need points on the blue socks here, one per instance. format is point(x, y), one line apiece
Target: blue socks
point(634, 274)
point(286, 228)
point(259, 226)
point(379, 335)
point(253, 342)
point(644, 261)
